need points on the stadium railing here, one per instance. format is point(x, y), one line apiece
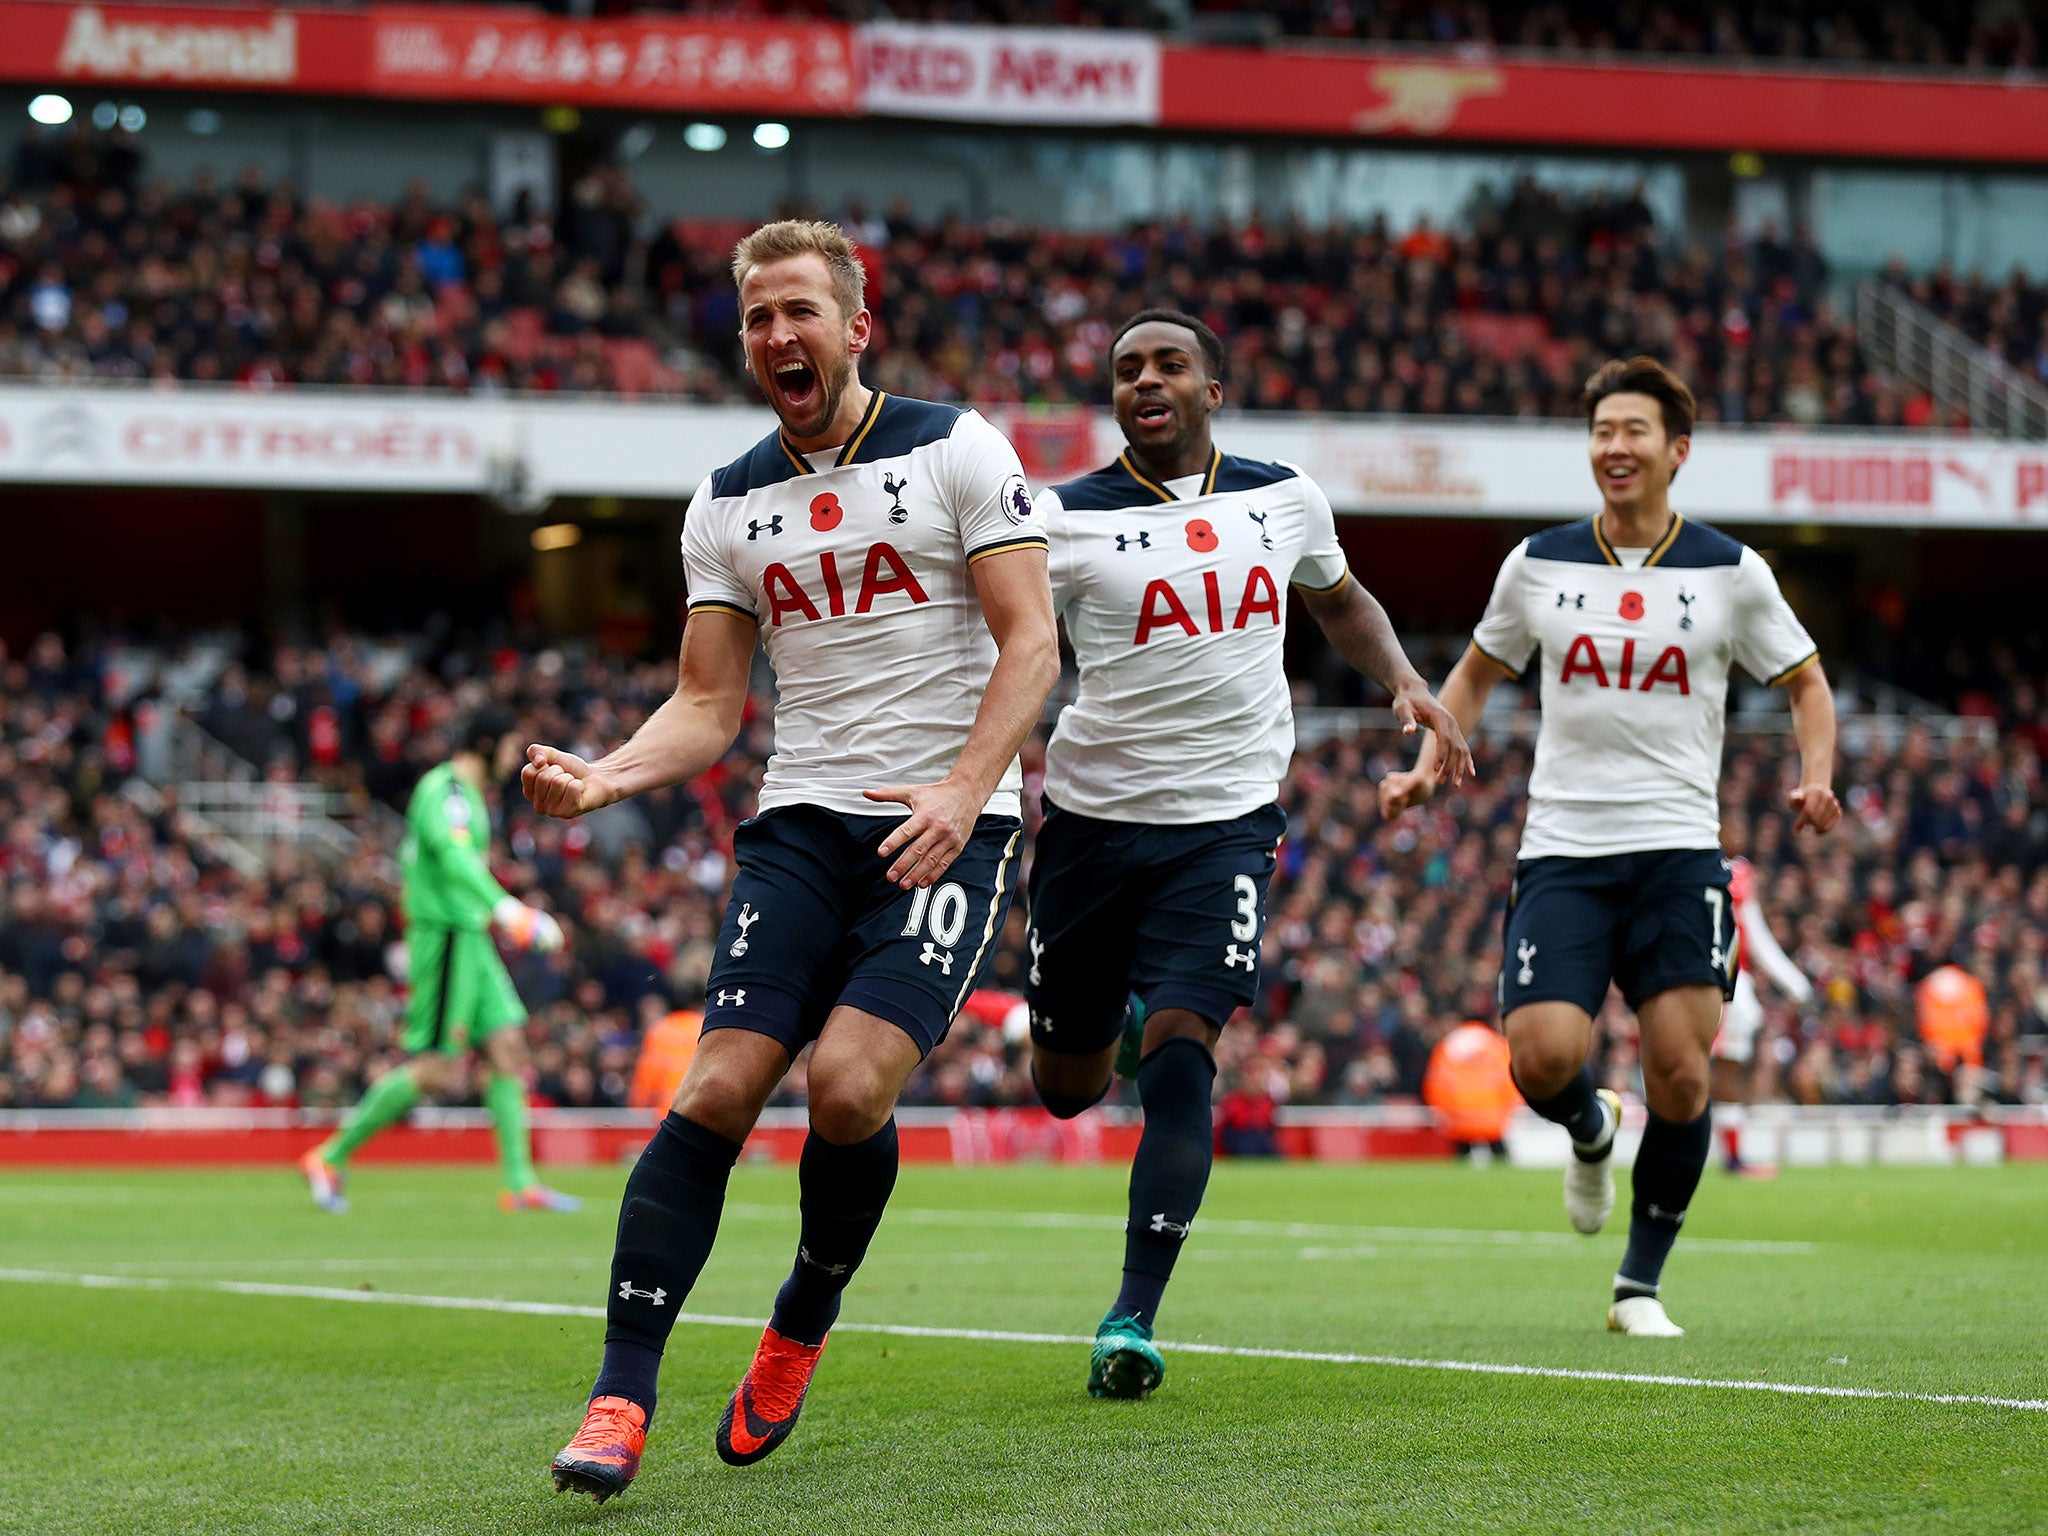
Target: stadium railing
point(1967, 380)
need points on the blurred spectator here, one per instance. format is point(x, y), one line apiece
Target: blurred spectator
point(1504, 315)
point(140, 965)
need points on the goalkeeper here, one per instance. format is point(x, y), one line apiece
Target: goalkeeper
point(461, 998)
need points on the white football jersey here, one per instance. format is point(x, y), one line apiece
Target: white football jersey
point(1636, 647)
point(854, 563)
point(1175, 600)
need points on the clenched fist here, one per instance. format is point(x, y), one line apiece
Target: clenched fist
point(563, 784)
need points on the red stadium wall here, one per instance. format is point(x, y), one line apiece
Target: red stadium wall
point(821, 69)
point(202, 1138)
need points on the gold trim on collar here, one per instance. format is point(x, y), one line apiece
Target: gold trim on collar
point(803, 465)
point(1600, 538)
point(1153, 486)
point(1215, 464)
point(1664, 544)
point(867, 422)
point(860, 432)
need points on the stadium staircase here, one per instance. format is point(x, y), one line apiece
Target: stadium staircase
point(1913, 344)
point(245, 819)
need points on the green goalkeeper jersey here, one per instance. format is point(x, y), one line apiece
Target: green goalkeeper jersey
point(448, 881)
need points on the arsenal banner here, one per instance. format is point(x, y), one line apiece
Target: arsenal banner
point(1009, 74)
point(1050, 76)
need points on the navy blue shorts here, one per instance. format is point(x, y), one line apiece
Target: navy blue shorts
point(1646, 921)
point(1174, 914)
point(815, 922)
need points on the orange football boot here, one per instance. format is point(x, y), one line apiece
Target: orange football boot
point(764, 1406)
point(605, 1455)
point(537, 1197)
point(325, 1180)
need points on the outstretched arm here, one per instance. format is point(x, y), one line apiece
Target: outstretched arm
point(683, 738)
point(1813, 726)
point(1016, 603)
point(1355, 623)
point(1464, 695)
point(1761, 949)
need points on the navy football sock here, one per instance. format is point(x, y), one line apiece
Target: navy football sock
point(1170, 1172)
point(844, 1191)
point(668, 1219)
point(1576, 1107)
point(1668, 1167)
point(1065, 1106)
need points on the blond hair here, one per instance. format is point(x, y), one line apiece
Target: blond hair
point(807, 237)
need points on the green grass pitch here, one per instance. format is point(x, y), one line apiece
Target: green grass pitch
point(187, 1407)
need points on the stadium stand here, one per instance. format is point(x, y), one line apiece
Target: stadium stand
point(137, 966)
point(105, 275)
point(2004, 37)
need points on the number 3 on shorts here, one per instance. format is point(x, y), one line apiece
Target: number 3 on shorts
point(947, 907)
point(1246, 923)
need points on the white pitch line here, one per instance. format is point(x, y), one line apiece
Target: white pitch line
point(1012, 1336)
point(1433, 1236)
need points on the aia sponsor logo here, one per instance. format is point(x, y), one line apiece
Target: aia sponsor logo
point(815, 592)
point(1164, 608)
point(1582, 659)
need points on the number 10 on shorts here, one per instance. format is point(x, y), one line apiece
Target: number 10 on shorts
point(945, 906)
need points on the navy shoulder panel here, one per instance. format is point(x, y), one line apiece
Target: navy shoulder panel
point(1235, 474)
point(1574, 544)
point(1698, 546)
point(906, 424)
point(1109, 489)
point(766, 463)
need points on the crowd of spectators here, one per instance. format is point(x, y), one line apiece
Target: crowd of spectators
point(139, 966)
point(2009, 317)
point(102, 275)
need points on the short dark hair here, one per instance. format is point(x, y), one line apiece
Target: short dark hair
point(1211, 344)
point(484, 729)
point(1643, 376)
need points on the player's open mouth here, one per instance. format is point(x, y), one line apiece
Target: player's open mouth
point(1619, 475)
point(1153, 413)
point(797, 382)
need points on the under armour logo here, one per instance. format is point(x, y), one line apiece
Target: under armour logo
point(1139, 540)
point(1265, 538)
point(755, 526)
point(1037, 953)
point(628, 1291)
point(1657, 1213)
point(1685, 602)
point(933, 955)
point(1235, 956)
point(896, 488)
point(747, 918)
point(829, 1269)
point(1161, 1225)
point(1571, 600)
point(1525, 952)
point(736, 998)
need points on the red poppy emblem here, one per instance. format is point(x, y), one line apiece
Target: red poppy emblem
point(1201, 535)
point(1631, 605)
point(826, 512)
